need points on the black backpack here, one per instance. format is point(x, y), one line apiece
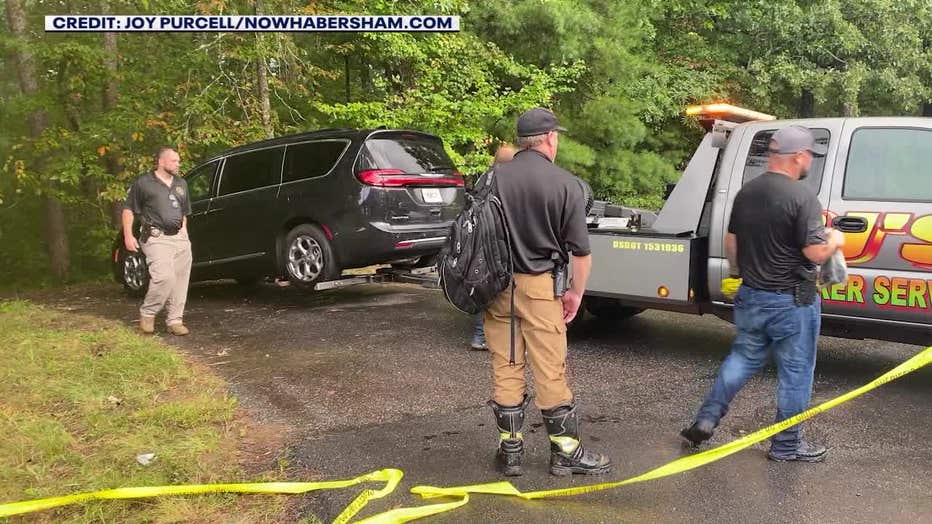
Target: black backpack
point(475, 264)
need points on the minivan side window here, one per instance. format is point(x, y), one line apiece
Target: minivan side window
point(889, 164)
point(201, 180)
point(312, 159)
point(759, 154)
point(251, 171)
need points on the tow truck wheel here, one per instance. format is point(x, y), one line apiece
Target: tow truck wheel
point(610, 308)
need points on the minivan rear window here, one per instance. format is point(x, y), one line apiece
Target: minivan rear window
point(889, 164)
point(410, 153)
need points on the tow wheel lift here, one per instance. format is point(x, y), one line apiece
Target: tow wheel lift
point(424, 276)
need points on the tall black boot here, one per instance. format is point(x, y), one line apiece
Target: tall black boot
point(510, 420)
point(567, 455)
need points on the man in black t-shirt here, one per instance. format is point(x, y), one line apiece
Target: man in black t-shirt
point(161, 202)
point(775, 239)
point(545, 208)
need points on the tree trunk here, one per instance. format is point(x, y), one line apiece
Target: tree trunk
point(849, 109)
point(927, 109)
point(110, 96)
point(263, 81)
point(807, 104)
point(265, 106)
point(347, 77)
point(55, 233)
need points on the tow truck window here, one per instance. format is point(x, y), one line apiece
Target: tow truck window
point(756, 164)
point(889, 164)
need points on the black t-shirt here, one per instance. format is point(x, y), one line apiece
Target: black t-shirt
point(159, 205)
point(774, 218)
point(546, 210)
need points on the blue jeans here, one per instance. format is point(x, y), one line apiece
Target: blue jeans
point(478, 336)
point(768, 319)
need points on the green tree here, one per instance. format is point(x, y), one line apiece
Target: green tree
point(620, 114)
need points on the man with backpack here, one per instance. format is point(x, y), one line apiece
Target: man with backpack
point(545, 214)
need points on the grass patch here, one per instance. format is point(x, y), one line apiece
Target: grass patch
point(81, 397)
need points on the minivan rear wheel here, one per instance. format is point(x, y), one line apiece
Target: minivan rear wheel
point(134, 272)
point(308, 257)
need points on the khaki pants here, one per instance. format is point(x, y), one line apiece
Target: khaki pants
point(169, 261)
point(540, 337)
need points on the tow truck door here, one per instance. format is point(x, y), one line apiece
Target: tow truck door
point(884, 177)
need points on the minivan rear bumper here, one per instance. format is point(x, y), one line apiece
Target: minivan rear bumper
point(381, 242)
point(439, 229)
point(420, 243)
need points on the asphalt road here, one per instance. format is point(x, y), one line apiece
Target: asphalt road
point(377, 376)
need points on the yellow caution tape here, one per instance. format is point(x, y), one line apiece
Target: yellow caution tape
point(392, 477)
point(923, 358)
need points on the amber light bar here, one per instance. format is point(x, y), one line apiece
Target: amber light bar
point(726, 112)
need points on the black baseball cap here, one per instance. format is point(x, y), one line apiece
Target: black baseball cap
point(538, 121)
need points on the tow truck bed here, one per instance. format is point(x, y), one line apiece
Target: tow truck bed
point(662, 265)
point(648, 267)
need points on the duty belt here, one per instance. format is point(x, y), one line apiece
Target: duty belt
point(155, 232)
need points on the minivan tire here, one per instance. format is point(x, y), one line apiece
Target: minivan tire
point(308, 257)
point(133, 272)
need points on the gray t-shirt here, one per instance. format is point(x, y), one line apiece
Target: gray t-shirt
point(157, 204)
point(546, 210)
point(774, 218)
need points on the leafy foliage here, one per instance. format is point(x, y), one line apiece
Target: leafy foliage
point(618, 73)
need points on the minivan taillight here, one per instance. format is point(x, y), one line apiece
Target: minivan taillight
point(398, 178)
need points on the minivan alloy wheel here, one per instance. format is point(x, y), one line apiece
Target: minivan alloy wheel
point(134, 271)
point(305, 258)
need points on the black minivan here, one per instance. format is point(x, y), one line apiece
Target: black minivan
point(310, 205)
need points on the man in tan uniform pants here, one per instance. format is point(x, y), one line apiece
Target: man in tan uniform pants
point(159, 199)
point(545, 207)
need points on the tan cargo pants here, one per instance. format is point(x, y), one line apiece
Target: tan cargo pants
point(540, 337)
point(169, 261)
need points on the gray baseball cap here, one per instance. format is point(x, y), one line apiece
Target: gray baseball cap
point(793, 139)
point(537, 121)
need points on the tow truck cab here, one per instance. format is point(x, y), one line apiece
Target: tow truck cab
point(875, 184)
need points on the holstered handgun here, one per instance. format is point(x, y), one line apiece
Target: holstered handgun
point(145, 231)
point(559, 274)
point(805, 292)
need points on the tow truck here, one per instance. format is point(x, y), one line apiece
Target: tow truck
point(875, 184)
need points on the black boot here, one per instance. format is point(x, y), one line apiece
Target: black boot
point(510, 420)
point(699, 432)
point(567, 455)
